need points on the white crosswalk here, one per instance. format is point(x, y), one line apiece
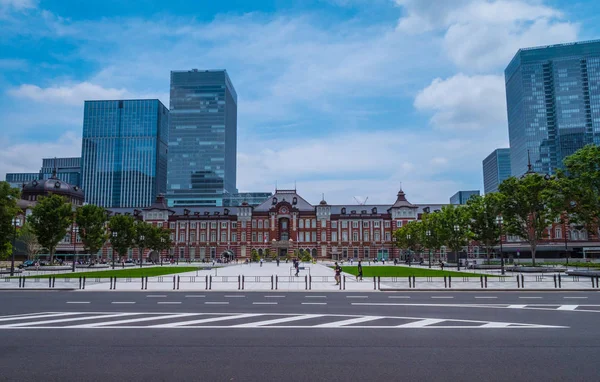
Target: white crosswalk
point(550, 307)
point(145, 320)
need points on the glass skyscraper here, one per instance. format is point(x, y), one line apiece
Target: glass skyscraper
point(124, 152)
point(461, 197)
point(496, 168)
point(67, 169)
point(202, 138)
point(553, 102)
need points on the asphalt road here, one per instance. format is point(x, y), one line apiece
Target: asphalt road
point(299, 336)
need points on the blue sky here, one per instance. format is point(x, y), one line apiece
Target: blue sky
point(345, 97)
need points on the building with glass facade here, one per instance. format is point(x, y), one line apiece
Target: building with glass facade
point(124, 152)
point(202, 138)
point(251, 198)
point(67, 169)
point(496, 168)
point(461, 197)
point(17, 179)
point(553, 104)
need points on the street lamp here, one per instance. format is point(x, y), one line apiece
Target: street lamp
point(12, 256)
point(114, 234)
point(407, 240)
point(162, 240)
point(142, 238)
point(74, 232)
point(499, 221)
point(428, 234)
point(457, 229)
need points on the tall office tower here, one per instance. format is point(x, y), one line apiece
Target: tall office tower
point(461, 197)
point(17, 179)
point(67, 169)
point(553, 103)
point(496, 168)
point(202, 138)
point(124, 152)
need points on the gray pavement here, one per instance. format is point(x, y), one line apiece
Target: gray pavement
point(299, 336)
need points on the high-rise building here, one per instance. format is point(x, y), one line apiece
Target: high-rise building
point(67, 169)
point(124, 152)
point(202, 138)
point(251, 198)
point(461, 197)
point(496, 168)
point(553, 103)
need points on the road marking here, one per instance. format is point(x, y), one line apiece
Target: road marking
point(78, 302)
point(496, 325)
point(123, 302)
point(314, 303)
point(516, 306)
point(574, 297)
point(233, 295)
point(421, 323)
point(194, 295)
point(217, 302)
point(278, 321)
point(441, 297)
point(567, 307)
point(153, 318)
point(156, 295)
point(315, 296)
point(204, 320)
point(526, 297)
point(21, 324)
point(486, 297)
point(275, 296)
point(169, 302)
point(357, 296)
point(36, 316)
point(350, 321)
point(264, 303)
point(398, 296)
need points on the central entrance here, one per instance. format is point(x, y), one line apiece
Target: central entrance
point(284, 229)
point(283, 252)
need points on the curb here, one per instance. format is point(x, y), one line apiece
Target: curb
point(38, 289)
point(486, 290)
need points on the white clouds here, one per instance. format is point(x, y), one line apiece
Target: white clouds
point(27, 157)
point(18, 5)
point(484, 34)
point(68, 95)
point(465, 102)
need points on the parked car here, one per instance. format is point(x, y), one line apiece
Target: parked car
point(27, 263)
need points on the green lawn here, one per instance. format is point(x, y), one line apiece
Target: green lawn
point(398, 271)
point(122, 273)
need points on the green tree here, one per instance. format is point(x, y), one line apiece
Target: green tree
point(122, 232)
point(142, 237)
point(8, 211)
point(91, 222)
point(254, 256)
point(50, 219)
point(160, 240)
point(526, 207)
point(410, 237)
point(432, 232)
point(29, 239)
point(579, 186)
point(305, 256)
point(483, 212)
point(454, 228)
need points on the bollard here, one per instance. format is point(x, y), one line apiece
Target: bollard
point(450, 282)
point(115, 285)
point(518, 282)
point(210, 282)
point(409, 282)
point(79, 282)
point(53, 282)
point(206, 280)
point(414, 282)
point(173, 282)
point(522, 281)
point(111, 283)
point(272, 282)
point(309, 282)
point(485, 279)
point(243, 281)
point(481, 281)
point(445, 282)
point(142, 283)
point(146, 282)
point(83, 282)
point(305, 282)
point(344, 281)
point(554, 277)
point(559, 281)
point(597, 279)
point(178, 278)
point(379, 282)
point(276, 281)
point(49, 282)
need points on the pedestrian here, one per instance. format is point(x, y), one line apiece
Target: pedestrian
point(442, 265)
point(297, 265)
point(277, 261)
point(338, 273)
point(359, 277)
point(261, 261)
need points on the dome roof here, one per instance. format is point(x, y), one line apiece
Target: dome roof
point(52, 185)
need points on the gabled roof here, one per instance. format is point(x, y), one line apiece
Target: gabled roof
point(288, 196)
point(402, 202)
point(159, 204)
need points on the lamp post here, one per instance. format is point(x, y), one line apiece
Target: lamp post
point(407, 240)
point(115, 235)
point(499, 221)
point(12, 256)
point(428, 234)
point(162, 240)
point(141, 241)
point(74, 232)
point(457, 230)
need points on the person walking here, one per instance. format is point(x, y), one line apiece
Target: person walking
point(277, 261)
point(359, 277)
point(338, 274)
point(297, 265)
point(261, 261)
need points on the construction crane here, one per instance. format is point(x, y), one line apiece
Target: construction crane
point(359, 202)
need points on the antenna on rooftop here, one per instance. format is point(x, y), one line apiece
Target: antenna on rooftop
point(359, 202)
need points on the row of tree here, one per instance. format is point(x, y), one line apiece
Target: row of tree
point(524, 207)
point(52, 218)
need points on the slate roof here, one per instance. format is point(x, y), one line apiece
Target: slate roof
point(288, 196)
